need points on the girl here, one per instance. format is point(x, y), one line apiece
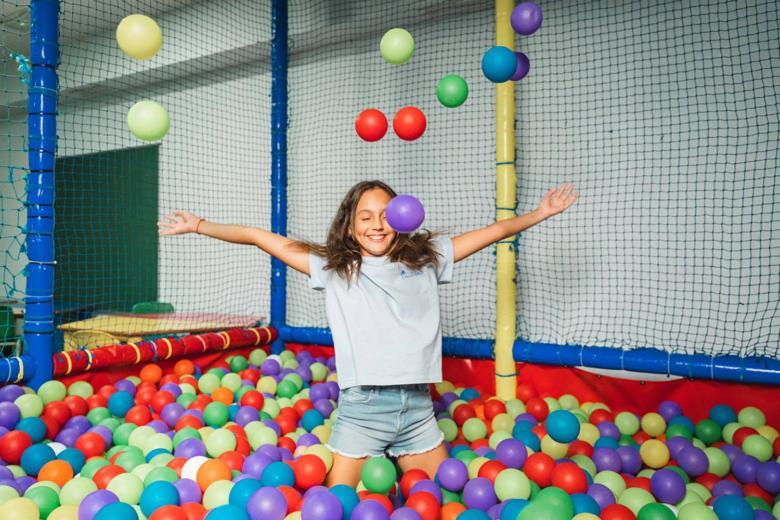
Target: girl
point(382, 304)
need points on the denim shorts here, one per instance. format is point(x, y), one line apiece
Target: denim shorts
point(374, 420)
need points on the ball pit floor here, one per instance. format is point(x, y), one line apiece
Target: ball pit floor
point(242, 437)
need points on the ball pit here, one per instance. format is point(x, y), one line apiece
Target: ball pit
point(246, 439)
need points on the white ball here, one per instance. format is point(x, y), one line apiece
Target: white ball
point(191, 467)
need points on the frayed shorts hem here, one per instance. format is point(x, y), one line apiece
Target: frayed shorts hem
point(403, 453)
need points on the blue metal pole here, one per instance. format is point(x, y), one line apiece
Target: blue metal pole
point(278, 161)
point(42, 143)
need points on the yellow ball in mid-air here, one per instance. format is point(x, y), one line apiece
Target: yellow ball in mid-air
point(139, 36)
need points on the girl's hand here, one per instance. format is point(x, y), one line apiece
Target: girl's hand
point(557, 200)
point(178, 222)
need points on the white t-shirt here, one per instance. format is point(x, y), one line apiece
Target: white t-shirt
point(386, 322)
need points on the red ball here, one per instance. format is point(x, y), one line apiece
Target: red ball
point(776, 447)
point(58, 411)
point(254, 399)
point(580, 448)
point(301, 406)
point(104, 475)
point(490, 470)
point(617, 512)
point(106, 391)
point(601, 415)
point(754, 490)
point(409, 123)
point(525, 392)
point(382, 500)
point(462, 413)
point(538, 467)
point(639, 482)
point(138, 415)
point(293, 498)
point(91, 444)
point(96, 401)
point(176, 464)
point(410, 478)
point(494, 407)
point(169, 512)
point(538, 408)
point(741, 434)
point(708, 480)
point(13, 444)
point(426, 505)
point(310, 471)
point(186, 421)
point(286, 442)
point(52, 427)
point(286, 423)
point(371, 125)
point(569, 477)
point(194, 511)
point(161, 399)
point(76, 404)
point(233, 459)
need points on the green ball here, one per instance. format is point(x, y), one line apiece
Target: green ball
point(449, 428)
point(286, 388)
point(681, 472)
point(318, 372)
point(127, 487)
point(51, 391)
point(208, 382)
point(611, 480)
point(585, 463)
point(217, 494)
point(719, 461)
point(148, 120)
point(76, 490)
point(91, 466)
point(698, 492)
point(285, 355)
point(184, 434)
point(185, 400)
point(231, 381)
point(696, 511)
point(397, 46)
point(552, 404)
point(7, 493)
point(627, 423)
point(709, 431)
point(130, 459)
point(556, 500)
point(30, 405)
point(378, 475)
point(728, 431)
point(238, 363)
point(515, 407)
point(758, 503)
point(678, 430)
point(568, 402)
point(219, 442)
point(45, 498)
point(216, 414)
point(448, 496)
point(626, 440)
point(512, 483)
point(474, 429)
point(98, 414)
point(758, 446)
point(655, 512)
point(257, 356)
point(466, 456)
point(160, 474)
point(635, 499)
point(751, 416)
point(112, 423)
point(296, 379)
point(452, 92)
point(157, 441)
point(81, 389)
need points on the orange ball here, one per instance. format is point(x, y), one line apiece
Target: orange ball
point(452, 510)
point(57, 471)
point(223, 395)
point(151, 373)
point(211, 471)
point(184, 367)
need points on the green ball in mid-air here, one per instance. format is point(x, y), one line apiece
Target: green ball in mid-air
point(148, 120)
point(397, 46)
point(452, 91)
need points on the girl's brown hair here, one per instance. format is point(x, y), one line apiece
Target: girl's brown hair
point(342, 252)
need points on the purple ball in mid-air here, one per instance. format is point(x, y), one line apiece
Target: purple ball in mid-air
point(405, 213)
point(523, 67)
point(526, 18)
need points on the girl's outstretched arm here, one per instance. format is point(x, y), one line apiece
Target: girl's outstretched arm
point(554, 201)
point(180, 222)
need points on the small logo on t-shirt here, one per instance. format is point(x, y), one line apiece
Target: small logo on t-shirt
point(408, 273)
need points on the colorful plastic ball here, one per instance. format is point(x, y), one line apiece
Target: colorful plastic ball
point(12, 446)
point(45, 498)
point(158, 494)
point(9, 415)
point(562, 426)
point(30, 405)
point(139, 36)
point(409, 123)
point(35, 457)
point(278, 474)
point(148, 120)
point(731, 507)
point(325, 505)
point(226, 512)
point(94, 502)
point(347, 497)
point(569, 477)
point(51, 391)
point(526, 18)
point(768, 477)
point(452, 474)
point(396, 46)
point(512, 483)
point(371, 125)
point(758, 446)
point(19, 509)
point(267, 503)
point(499, 64)
point(655, 512)
point(378, 475)
point(723, 414)
point(405, 213)
point(478, 493)
point(667, 486)
point(522, 68)
point(242, 492)
point(452, 91)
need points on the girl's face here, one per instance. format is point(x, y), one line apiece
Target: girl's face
point(370, 229)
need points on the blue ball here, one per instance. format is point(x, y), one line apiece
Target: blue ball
point(499, 64)
point(232, 411)
point(584, 503)
point(242, 491)
point(227, 512)
point(120, 402)
point(157, 451)
point(512, 508)
point(74, 457)
point(348, 498)
point(277, 474)
point(473, 514)
point(723, 414)
point(311, 419)
point(606, 442)
point(34, 427)
point(732, 507)
point(35, 457)
point(528, 438)
point(158, 494)
point(468, 394)
point(562, 426)
point(117, 511)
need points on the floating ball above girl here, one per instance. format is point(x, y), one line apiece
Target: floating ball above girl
point(526, 18)
point(139, 36)
point(452, 91)
point(409, 123)
point(499, 64)
point(148, 120)
point(397, 46)
point(371, 125)
point(405, 213)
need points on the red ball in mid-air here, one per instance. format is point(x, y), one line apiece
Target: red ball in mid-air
point(371, 125)
point(409, 123)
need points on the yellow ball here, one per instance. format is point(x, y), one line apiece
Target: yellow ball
point(139, 36)
point(502, 422)
point(19, 509)
point(322, 452)
point(588, 433)
point(768, 432)
point(654, 453)
point(553, 448)
point(68, 512)
point(585, 516)
point(322, 432)
point(295, 515)
point(474, 466)
point(653, 424)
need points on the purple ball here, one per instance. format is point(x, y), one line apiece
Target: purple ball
point(94, 502)
point(732, 452)
point(527, 417)
point(319, 391)
point(512, 453)
point(608, 429)
point(173, 388)
point(189, 491)
point(307, 439)
point(267, 503)
point(482, 451)
point(189, 448)
point(274, 426)
point(285, 454)
point(6, 474)
point(745, 468)
point(630, 460)
point(9, 415)
point(304, 371)
point(607, 459)
point(526, 18)
point(334, 389)
point(364, 510)
point(667, 486)
point(601, 494)
point(428, 486)
point(171, 413)
point(255, 464)
point(314, 489)
point(158, 426)
point(676, 445)
point(727, 487)
point(10, 392)
point(245, 415)
point(68, 437)
point(125, 386)
point(324, 406)
point(448, 397)
point(669, 410)
point(331, 363)
point(105, 432)
point(763, 515)
point(693, 461)
point(768, 476)
point(79, 423)
point(194, 413)
point(452, 474)
point(24, 483)
point(271, 451)
point(478, 494)
point(405, 213)
point(405, 513)
point(270, 367)
point(523, 67)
